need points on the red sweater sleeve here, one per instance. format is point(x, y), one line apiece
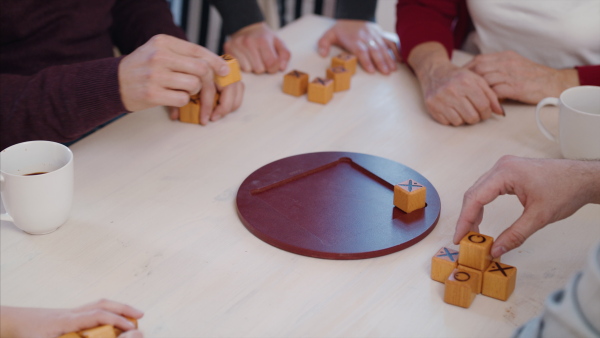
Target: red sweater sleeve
point(589, 75)
point(443, 21)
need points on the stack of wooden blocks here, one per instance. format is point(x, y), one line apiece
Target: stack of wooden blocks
point(321, 89)
point(471, 271)
point(190, 113)
point(104, 331)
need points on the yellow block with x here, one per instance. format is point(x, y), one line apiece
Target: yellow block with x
point(409, 195)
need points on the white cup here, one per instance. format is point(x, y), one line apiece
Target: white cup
point(578, 122)
point(40, 203)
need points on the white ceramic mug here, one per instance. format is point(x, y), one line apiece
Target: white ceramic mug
point(37, 185)
point(578, 122)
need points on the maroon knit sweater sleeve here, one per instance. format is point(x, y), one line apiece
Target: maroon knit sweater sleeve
point(58, 83)
point(443, 21)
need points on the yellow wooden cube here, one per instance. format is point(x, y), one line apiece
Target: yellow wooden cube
point(476, 277)
point(474, 251)
point(499, 281)
point(345, 60)
point(190, 113)
point(341, 78)
point(234, 75)
point(295, 83)
point(458, 289)
point(104, 331)
point(443, 263)
point(409, 196)
point(320, 90)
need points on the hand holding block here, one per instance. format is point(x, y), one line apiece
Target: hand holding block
point(234, 75)
point(341, 78)
point(459, 289)
point(409, 196)
point(103, 331)
point(320, 90)
point(190, 113)
point(345, 60)
point(499, 281)
point(443, 263)
point(474, 251)
point(295, 83)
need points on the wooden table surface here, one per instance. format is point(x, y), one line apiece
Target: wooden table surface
point(154, 221)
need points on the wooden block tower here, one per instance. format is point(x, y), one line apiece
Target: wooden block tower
point(341, 78)
point(345, 60)
point(320, 90)
point(234, 75)
point(409, 196)
point(295, 83)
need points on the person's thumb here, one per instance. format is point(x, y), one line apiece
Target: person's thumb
point(325, 43)
point(515, 235)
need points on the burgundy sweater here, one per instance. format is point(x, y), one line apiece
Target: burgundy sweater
point(58, 75)
point(448, 22)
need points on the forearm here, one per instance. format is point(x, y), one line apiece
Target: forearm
point(60, 103)
point(425, 57)
point(588, 173)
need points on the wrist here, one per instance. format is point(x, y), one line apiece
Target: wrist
point(425, 58)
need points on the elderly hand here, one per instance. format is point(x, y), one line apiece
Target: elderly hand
point(258, 49)
point(453, 95)
point(365, 40)
point(512, 76)
point(549, 189)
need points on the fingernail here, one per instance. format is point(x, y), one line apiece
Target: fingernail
point(224, 70)
point(498, 251)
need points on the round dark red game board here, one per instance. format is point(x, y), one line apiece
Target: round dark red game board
point(334, 205)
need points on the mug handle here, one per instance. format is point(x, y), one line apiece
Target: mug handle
point(549, 101)
point(4, 216)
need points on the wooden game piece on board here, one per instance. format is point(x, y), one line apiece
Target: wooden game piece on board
point(476, 277)
point(499, 281)
point(341, 78)
point(459, 289)
point(320, 90)
point(409, 196)
point(190, 113)
point(474, 251)
point(295, 83)
point(345, 60)
point(443, 263)
point(234, 75)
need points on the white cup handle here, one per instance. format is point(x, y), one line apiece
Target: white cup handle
point(4, 216)
point(549, 101)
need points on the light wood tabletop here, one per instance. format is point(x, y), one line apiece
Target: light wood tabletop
point(154, 221)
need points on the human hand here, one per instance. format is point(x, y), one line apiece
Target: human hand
point(38, 322)
point(230, 99)
point(549, 189)
point(453, 95)
point(258, 49)
point(165, 71)
point(515, 77)
point(365, 40)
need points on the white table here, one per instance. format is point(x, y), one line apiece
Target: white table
point(154, 221)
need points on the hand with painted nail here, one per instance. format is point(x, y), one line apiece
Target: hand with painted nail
point(548, 189)
point(37, 322)
point(366, 40)
point(512, 76)
point(258, 49)
point(453, 95)
point(165, 71)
